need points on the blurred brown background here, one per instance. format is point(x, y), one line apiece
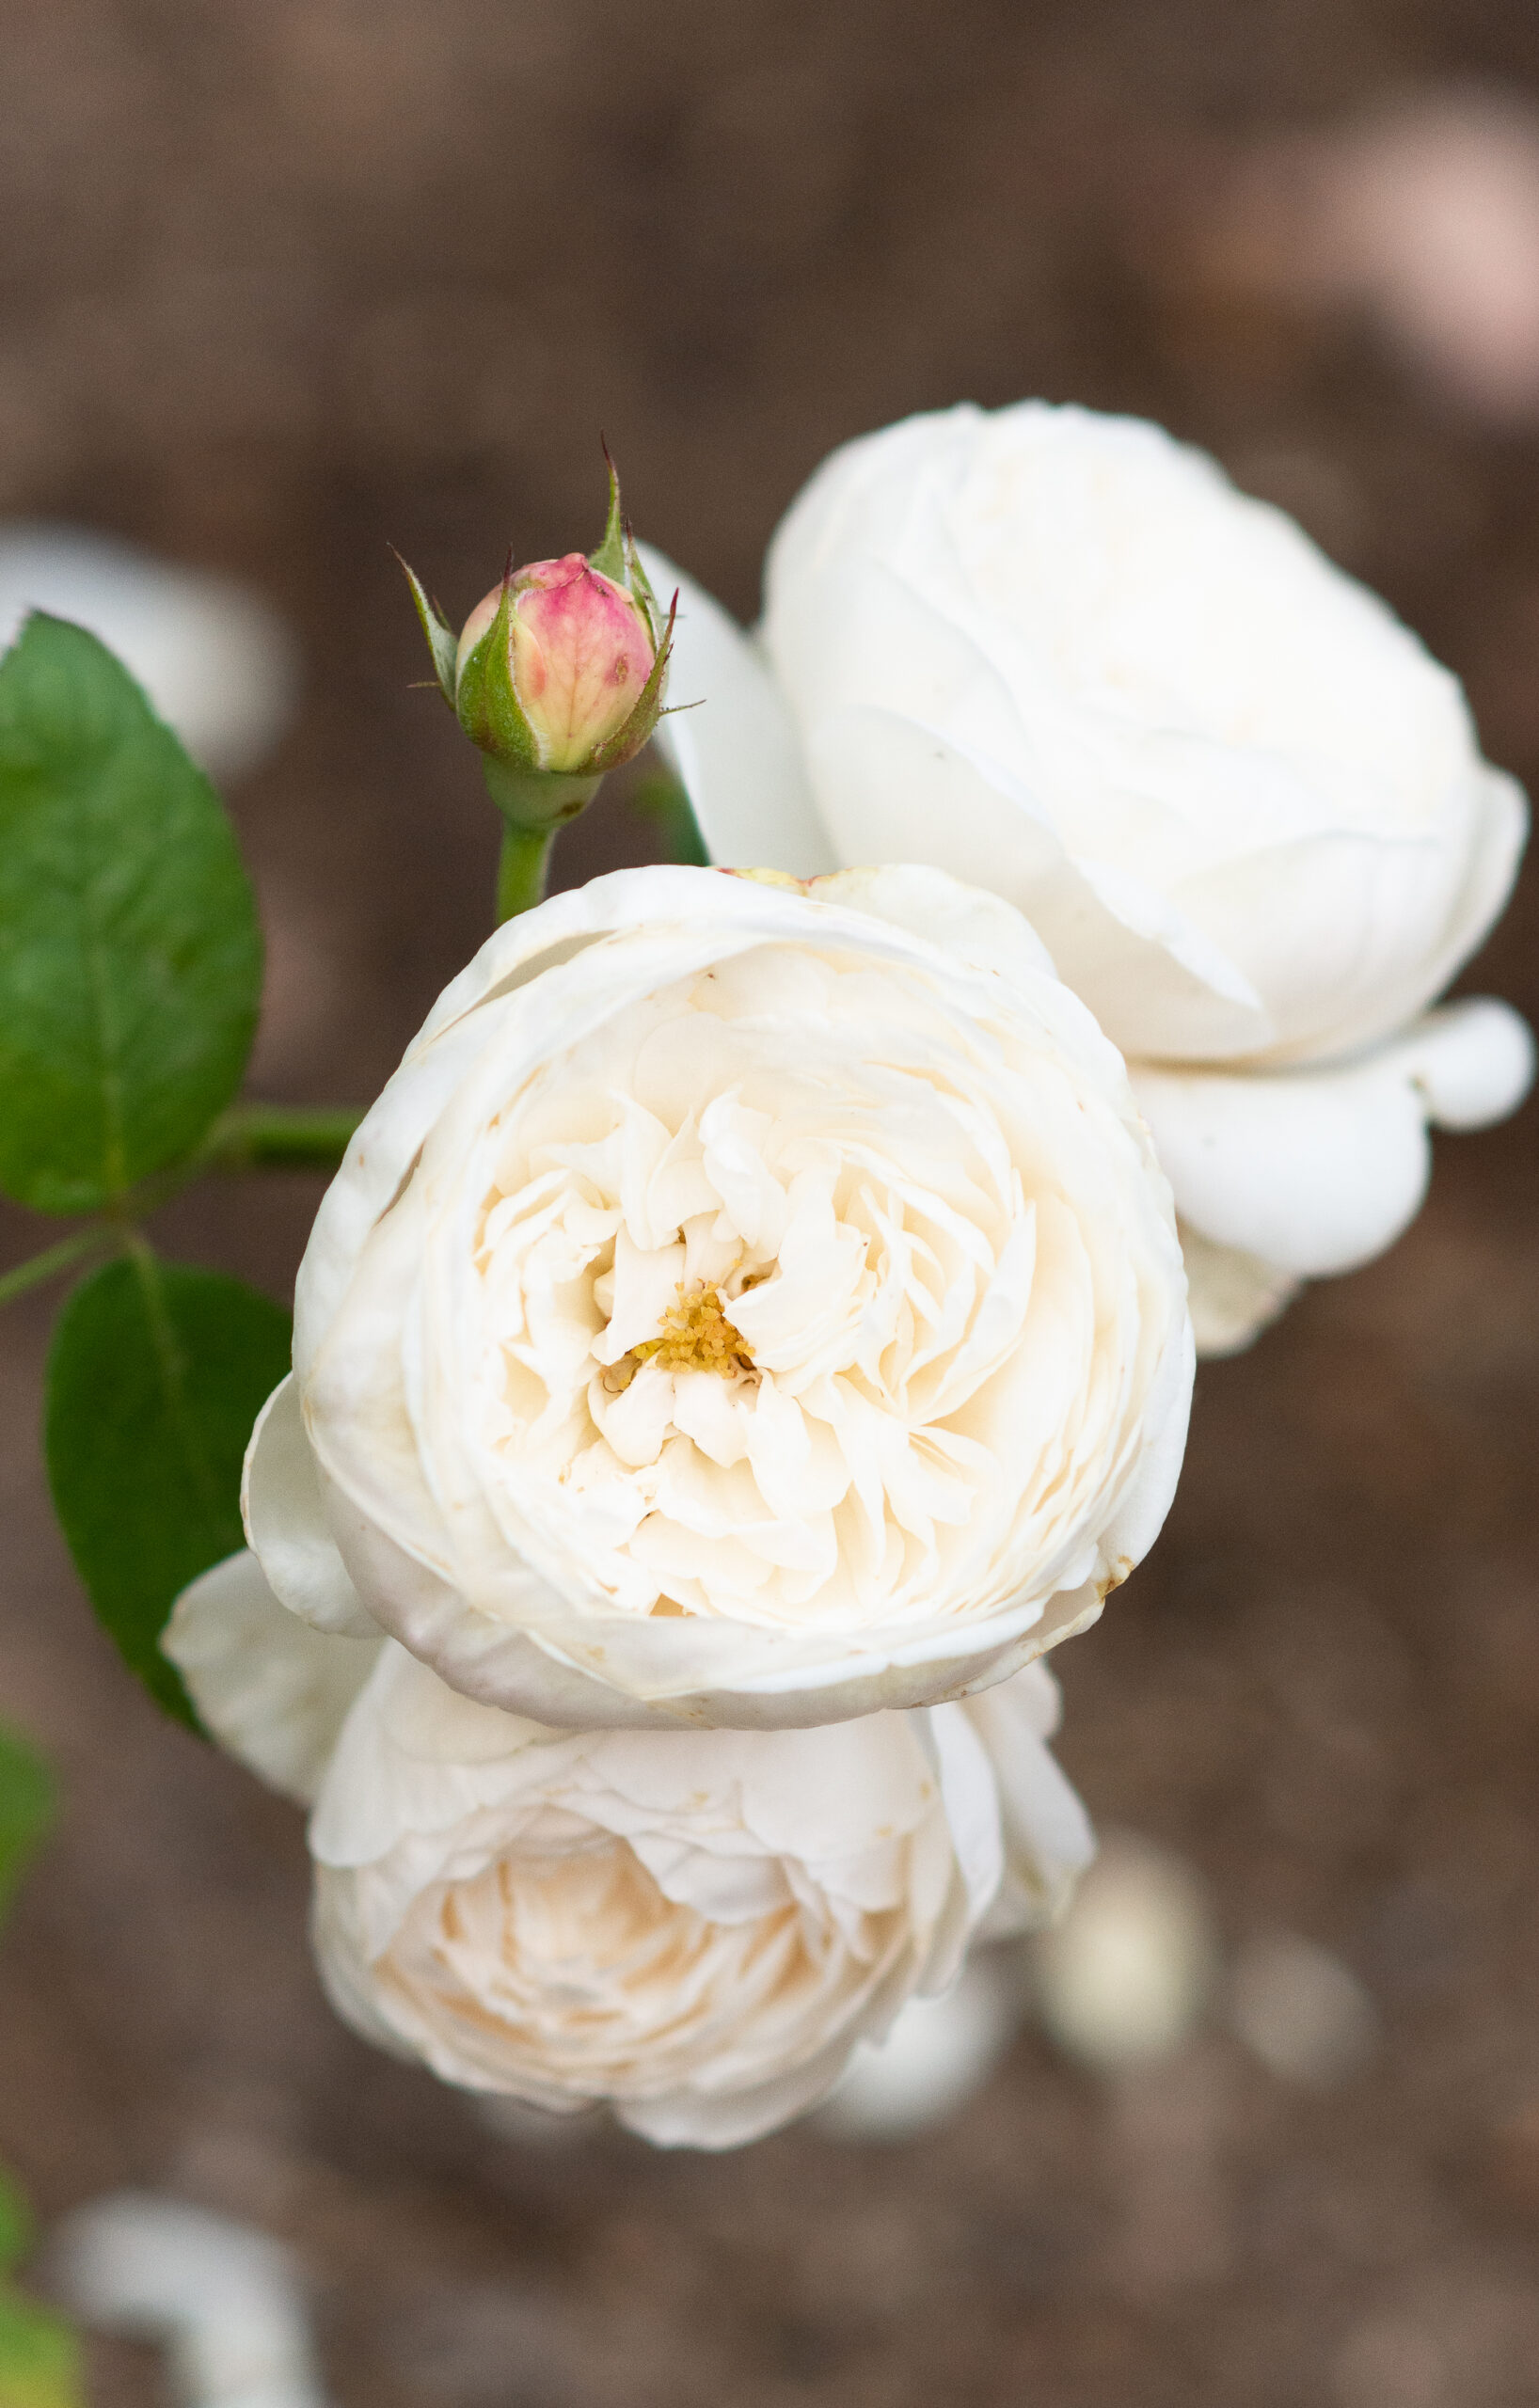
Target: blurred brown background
point(282, 281)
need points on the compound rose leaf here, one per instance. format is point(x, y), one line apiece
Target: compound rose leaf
point(155, 1377)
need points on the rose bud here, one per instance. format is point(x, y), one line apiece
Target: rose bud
point(557, 676)
point(573, 650)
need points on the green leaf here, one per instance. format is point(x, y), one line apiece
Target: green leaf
point(27, 1809)
point(155, 1377)
point(130, 954)
point(40, 2356)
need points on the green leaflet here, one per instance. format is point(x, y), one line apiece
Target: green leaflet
point(15, 2225)
point(40, 2356)
point(154, 1379)
point(130, 954)
point(27, 1809)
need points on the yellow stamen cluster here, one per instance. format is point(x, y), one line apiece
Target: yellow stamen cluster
point(696, 1336)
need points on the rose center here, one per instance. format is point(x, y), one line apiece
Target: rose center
point(695, 1336)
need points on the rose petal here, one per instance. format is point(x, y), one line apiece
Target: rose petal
point(732, 744)
point(272, 1689)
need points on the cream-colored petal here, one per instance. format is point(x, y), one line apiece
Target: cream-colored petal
point(731, 741)
point(894, 790)
point(1471, 1062)
point(1315, 1171)
point(1048, 1840)
point(1233, 1296)
point(286, 1522)
point(272, 1689)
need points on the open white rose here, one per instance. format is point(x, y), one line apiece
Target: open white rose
point(738, 1308)
point(696, 1927)
point(1059, 655)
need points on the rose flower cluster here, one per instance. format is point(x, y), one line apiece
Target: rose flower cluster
point(752, 1326)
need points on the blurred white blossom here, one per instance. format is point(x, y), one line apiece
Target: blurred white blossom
point(217, 663)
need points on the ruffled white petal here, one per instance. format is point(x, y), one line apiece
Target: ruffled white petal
point(893, 789)
point(270, 1689)
point(904, 1159)
point(1094, 640)
point(1048, 1840)
point(731, 741)
point(696, 1927)
point(1314, 1171)
point(1472, 1062)
point(1233, 1296)
point(287, 1526)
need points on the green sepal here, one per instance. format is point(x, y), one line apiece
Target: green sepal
point(441, 641)
point(609, 559)
point(541, 804)
point(27, 1809)
point(640, 586)
point(129, 951)
point(618, 559)
point(155, 1377)
point(485, 701)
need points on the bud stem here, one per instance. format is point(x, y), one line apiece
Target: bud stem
point(521, 869)
point(533, 808)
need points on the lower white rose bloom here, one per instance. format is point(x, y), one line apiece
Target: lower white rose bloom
point(1059, 655)
point(746, 1305)
point(696, 1927)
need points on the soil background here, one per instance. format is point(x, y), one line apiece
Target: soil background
point(283, 282)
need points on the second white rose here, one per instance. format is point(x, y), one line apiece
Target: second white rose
point(1059, 655)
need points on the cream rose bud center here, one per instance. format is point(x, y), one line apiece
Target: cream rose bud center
point(747, 1304)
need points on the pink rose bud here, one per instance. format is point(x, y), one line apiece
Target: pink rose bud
point(579, 650)
point(558, 675)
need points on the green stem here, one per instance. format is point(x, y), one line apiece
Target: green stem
point(280, 1137)
point(521, 869)
point(250, 1136)
point(58, 1258)
point(534, 804)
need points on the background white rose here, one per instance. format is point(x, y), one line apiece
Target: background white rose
point(1059, 655)
point(737, 1308)
point(694, 1926)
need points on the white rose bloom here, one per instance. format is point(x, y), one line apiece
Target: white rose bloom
point(1059, 655)
point(738, 1308)
point(696, 1927)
